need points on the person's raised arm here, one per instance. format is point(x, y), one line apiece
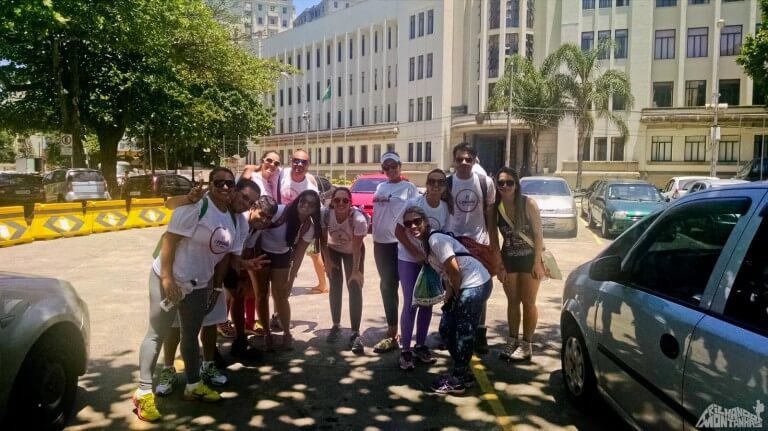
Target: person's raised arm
point(195, 194)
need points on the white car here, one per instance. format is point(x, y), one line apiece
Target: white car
point(677, 187)
point(712, 184)
point(557, 206)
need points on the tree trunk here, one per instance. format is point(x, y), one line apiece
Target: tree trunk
point(109, 137)
point(535, 149)
point(579, 156)
point(67, 72)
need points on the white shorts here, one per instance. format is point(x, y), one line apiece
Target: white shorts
point(217, 315)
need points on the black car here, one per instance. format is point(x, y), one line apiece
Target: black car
point(155, 186)
point(21, 189)
point(752, 171)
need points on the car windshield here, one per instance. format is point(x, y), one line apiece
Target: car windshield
point(545, 187)
point(20, 180)
point(686, 184)
point(634, 192)
point(82, 176)
point(366, 185)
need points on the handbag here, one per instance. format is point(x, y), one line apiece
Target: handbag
point(548, 261)
point(428, 289)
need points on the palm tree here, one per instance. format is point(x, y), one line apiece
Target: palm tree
point(588, 89)
point(531, 95)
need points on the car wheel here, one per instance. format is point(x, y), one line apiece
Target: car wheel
point(590, 219)
point(45, 388)
point(578, 374)
point(604, 228)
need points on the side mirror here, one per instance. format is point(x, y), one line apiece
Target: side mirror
point(607, 268)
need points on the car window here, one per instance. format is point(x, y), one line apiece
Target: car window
point(182, 182)
point(669, 186)
point(545, 187)
point(676, 258)
point(19, 180)
point(622, 245)
point(83, 176)
point(686, 184)
point(748, 299)
point(633, 192)
point(366, 185)
point(58, 176)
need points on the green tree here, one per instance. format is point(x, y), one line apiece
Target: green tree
point(588, 89)
point(531, 95)
point(754, 55)
point(7, 150)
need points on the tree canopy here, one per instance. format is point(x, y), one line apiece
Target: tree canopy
point(754, 55)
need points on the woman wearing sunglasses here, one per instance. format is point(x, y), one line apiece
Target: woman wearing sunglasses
point(518, 220)
point(266, 175)
point(293, 228)
point(344, 229)
point(437, 204)
point(467, 287)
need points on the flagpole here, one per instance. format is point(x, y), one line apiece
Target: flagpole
point(331, 158)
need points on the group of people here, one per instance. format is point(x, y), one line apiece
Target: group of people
point(227, 249)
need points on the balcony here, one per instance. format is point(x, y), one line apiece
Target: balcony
point(753, 116)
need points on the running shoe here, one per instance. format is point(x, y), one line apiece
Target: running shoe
point(448, 385)
point(212, 375)
point(274, 324)
point(406, 360)
point(356, 344)
point(424, 355)
point(385, 345)
point(167, 380)
point(334, 334)
point(201, 393)
point(146, 409)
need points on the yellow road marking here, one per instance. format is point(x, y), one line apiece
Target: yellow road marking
point(597, 238)
point(490, 395)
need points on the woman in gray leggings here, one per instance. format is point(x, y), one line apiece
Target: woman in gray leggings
point(194, 251)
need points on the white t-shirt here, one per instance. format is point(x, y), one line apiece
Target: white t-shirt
point(395, 197)
point(438, 218)
point(442, 247)
point(273, 240)
point(468, 216)
point(204, 243)
point(290, 189)
point(340, 234)
point(268, 187)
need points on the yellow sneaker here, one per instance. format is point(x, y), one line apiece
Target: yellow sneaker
point(145, 407)
point(202, 393)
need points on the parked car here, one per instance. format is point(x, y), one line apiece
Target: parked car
point(21, 189)
point(74, 185)
point(752, 171)
point(677, 187)
point(556, 204)
point(670, 322)
point(618, 204)
point(44, 342)
point(586, 193)
point(712, 184)
point(155, 186)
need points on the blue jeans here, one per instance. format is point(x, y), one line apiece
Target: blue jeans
point(458, 323)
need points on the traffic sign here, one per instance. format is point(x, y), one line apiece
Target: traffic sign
point(66, 145)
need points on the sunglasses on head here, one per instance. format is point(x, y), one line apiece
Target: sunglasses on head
point(340, 201)
point(469, 160)
point(435, 182)
point(505, 183)
point(221, 183)
point(271, 161)
point(413, 222)
point(301, 162)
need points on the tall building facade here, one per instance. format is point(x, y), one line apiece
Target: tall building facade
point(322, 9)
point(264, 18)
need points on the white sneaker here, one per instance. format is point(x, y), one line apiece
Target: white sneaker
point(167, 379)
point(212, 375)
point(523, 352)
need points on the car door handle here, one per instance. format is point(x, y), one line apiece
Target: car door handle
point(6, 320)
point(669, 346)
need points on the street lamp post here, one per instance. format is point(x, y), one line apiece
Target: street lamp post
point(716, 105)
point(508, 150)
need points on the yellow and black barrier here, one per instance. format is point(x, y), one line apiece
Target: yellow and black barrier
point(106, 216)
point(148, 212)
point(59, 220)
point(13, 227)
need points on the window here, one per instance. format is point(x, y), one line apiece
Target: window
point(340, 155)
point(338, 52)
point(309, 96)
point(376, 153)
point(697, 42)
point(695, 148)
point(390, 148)
point(411, 68)
point(679, 252)
point(661, 148)
point(619, 103)
point(617, 148)
point(728, 149)
point(281, 97)
point(327, 120)
point(420, 109)
point(281, 127)
point(698, 1)
point(695, 93)
point(389, 37)
point(376, 41)
point(494, 14)
point(350, 119)
point(410, 151)
point(730, 40)
point(421, 24)
point(664, 48)
point(319, 156)
point(412, 29)
point(585, 154)
point(622, 3)
point(493, 56)
point(587, 40)
point(428, 151)
point(338, 120)
point(259, 7)
point(428, 113)
point(430, 21)
point(410, 110)
point(621, 43)
point(285, 10)
point(530, 15)
point(362, 45)
point(601, 149)
point(747, 303)
point(375, 79)
point(511, 43)
point(351, 48)
point(376, 114)
point(285, 23)
point(364, 154)
point(298, 61)
point(513, 14)
point(419, 151)
point(666, 3)
point(587, 4)
point(605, 3)
point(327, 54)
point(389, 76)
point(328, 154)
point(362, 116)
point(290, 125)
point(350, 84)
point(603, 41)
point(421, 67)
point(529, 46)
point(429, 65)
point(298, 95)
point(729, 91)
point(662, 94)
point(351, 154)
point(338, 84)
point(362, 82)
point(290, 96)
point(317, 90)
point(761, 146)
point(260, 20)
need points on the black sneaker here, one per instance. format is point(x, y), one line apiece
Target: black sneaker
point(356, 344)
point(468, 380)
point(448, 385)
point(334, 334)
point(241, 349)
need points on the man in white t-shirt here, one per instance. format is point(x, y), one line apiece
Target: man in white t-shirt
point(472, 209)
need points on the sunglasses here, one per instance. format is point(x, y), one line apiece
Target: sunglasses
point(300, 162)
point(438, 183)
point(461, 160)
point(271, 161)
point(506, 183)
point(341, 201)
point(413, 222)
point(388, 167)
point(222, 183)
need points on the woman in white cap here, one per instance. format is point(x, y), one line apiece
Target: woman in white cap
point(389, 200)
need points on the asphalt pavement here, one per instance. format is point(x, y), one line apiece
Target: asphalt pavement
point(317, 385)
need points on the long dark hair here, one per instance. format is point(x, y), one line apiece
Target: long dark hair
point(293, 224)
point(446, 196)
point(519, 215)
point(336, 190)
point(415, 209)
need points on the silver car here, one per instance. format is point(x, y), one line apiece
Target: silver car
point(556, 204)
point(670, 323)
point(712, 184)
point(44, 342)
point(75, 185)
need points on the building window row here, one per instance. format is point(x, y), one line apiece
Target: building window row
point(695, 149)
point(426, 24)
point(620, 45)
point(420, 109)
point(420, 152)
point(590, 4)
point(731, 38)
point(696, 93)
point(376, 153)
point(600, 150)
point(419, 67)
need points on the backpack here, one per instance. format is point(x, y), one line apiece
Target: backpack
point(203, 210)
point(483, 189)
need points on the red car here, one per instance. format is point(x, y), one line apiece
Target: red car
point(363, 189)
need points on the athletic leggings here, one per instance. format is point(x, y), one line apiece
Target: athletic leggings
point(458, 324)
point(409, 271)
point(337, 291)
point(385, 255)
point(191, 311)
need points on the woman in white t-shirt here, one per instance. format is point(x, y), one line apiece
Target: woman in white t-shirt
point(293, 228)
point(437, 204)
point(467, 288)
point(344, 229)
point(266, 175)
point(388, 202)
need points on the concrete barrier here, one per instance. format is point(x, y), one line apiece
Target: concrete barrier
point(13, 227)
point(106, 216)
point(59, 220)
point(148, 212)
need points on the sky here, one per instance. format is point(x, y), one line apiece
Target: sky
point(303, 4)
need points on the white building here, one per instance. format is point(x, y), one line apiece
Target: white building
point(415, 76)
point(322, 9)
point(264, 18)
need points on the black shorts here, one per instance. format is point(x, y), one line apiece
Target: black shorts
point(518, 263)
point(279, 261)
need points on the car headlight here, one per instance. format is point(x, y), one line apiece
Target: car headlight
point(619, 214)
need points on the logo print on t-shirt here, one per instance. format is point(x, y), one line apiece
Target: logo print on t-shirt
point(466, 200)
point(434, 223)
point(340, 237)
point(221, 240)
